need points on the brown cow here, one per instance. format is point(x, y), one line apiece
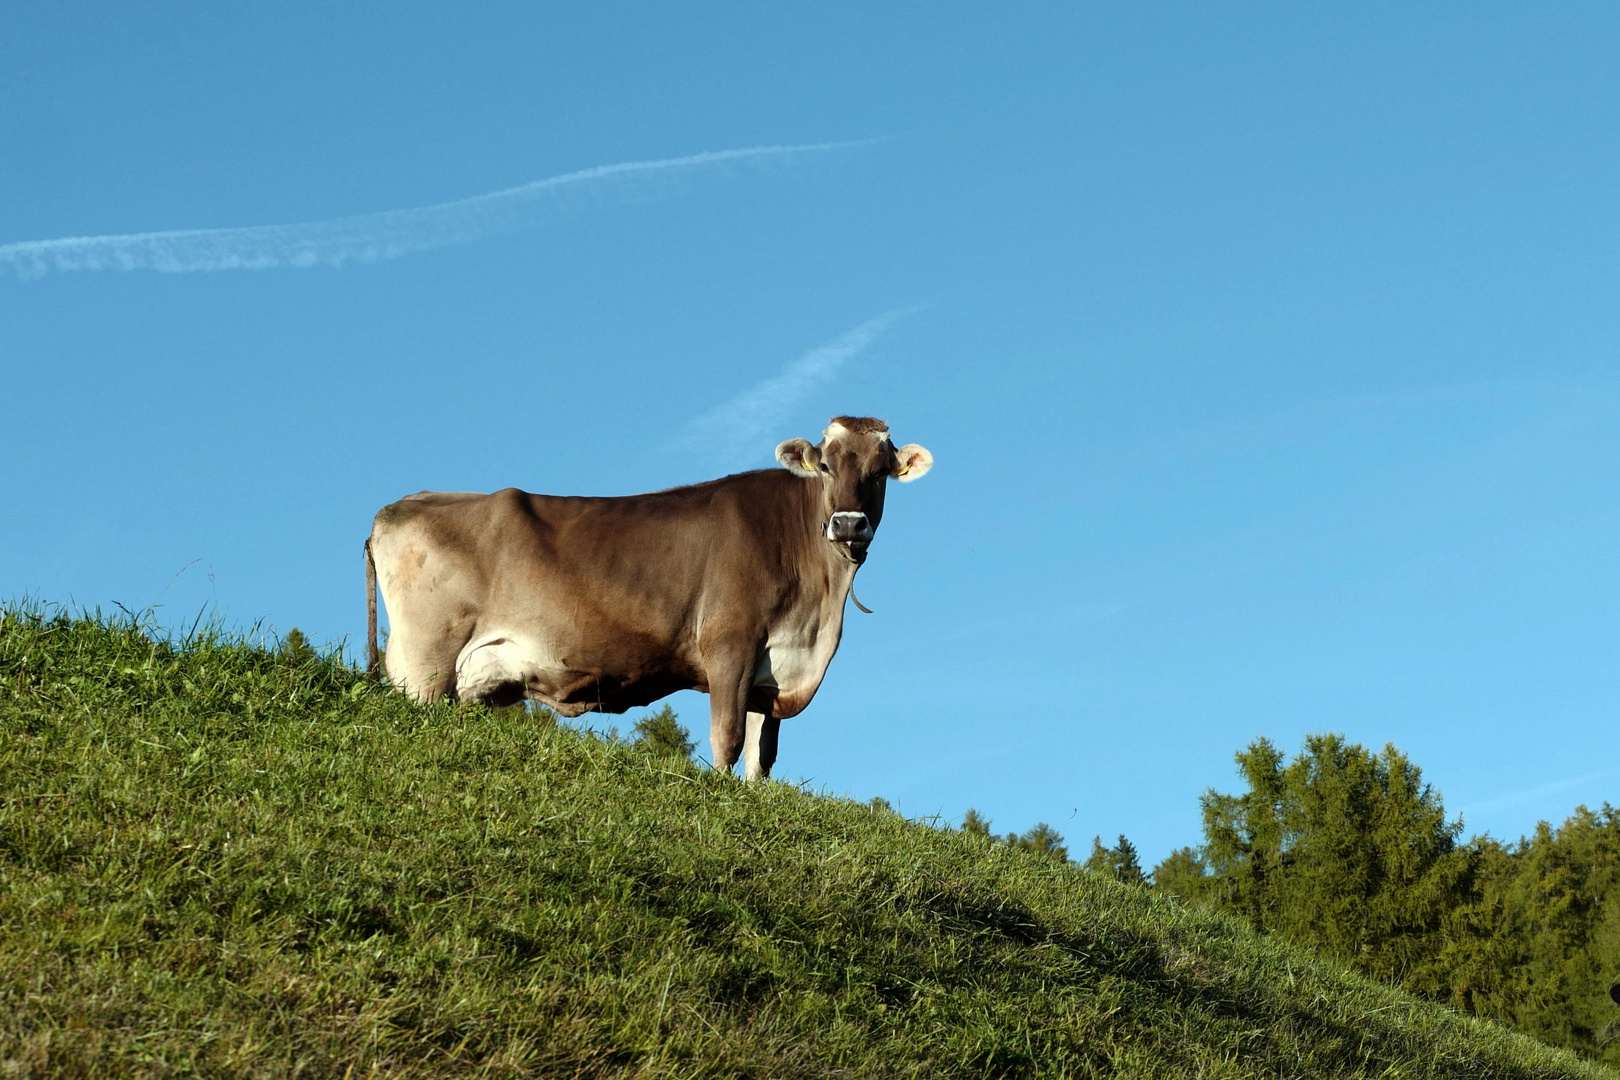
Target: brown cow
point(734, 587)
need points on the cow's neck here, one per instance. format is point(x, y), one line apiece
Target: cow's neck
point(839, 569)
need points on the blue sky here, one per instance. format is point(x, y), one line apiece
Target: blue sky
point(1266, 354)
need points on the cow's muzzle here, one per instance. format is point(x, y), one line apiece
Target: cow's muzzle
point(849, 527)
point(851, 530)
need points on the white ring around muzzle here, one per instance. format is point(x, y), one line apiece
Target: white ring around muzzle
point(849, 525)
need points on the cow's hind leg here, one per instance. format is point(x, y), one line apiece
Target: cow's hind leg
point(759, 751)
point(424, 670)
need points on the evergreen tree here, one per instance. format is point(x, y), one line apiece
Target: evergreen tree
point(296, 647)
point(1243, 837)
point(1183, 873)
point(1119, 862)
point(662, 733)
point(1542, 948)
point(1345, 850)
point(976, 824)
point(1350, 852)
point(1042, 839)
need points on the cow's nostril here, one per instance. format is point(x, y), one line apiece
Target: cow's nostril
point(849, 525)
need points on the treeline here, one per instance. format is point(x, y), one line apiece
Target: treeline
point(1351, 853)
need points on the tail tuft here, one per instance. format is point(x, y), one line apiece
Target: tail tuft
point(373, 667)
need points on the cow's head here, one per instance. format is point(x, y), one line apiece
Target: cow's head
point(853, 464)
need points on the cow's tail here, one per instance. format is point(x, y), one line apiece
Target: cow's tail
point(373, 667)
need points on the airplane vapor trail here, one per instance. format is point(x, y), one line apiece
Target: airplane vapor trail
point(1537, 793)
point(367, 237)
point(736, 428)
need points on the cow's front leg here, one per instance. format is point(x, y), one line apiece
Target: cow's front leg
point(759, 752)
point(731, 676)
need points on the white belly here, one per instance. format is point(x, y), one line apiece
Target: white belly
point(494, 660)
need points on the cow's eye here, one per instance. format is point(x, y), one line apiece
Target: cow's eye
point(823, 467)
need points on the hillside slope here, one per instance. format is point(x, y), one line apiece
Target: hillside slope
point(218, 860)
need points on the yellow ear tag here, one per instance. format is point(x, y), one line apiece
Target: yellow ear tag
point(905, 469)
point(809, 468)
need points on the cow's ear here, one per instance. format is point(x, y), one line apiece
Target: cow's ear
point(799, 457)
point(910, 462)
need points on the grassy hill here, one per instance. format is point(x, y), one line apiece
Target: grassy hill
point(220, 860)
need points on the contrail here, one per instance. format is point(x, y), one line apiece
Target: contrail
point(736, 429)
point(1538, 792)
point(368, 237)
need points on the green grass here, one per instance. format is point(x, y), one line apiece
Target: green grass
point(217, 860)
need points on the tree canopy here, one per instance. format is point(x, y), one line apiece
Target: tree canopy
point(662, 733)
point(1351, 852)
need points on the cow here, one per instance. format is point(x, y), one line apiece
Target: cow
point(734, 587)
